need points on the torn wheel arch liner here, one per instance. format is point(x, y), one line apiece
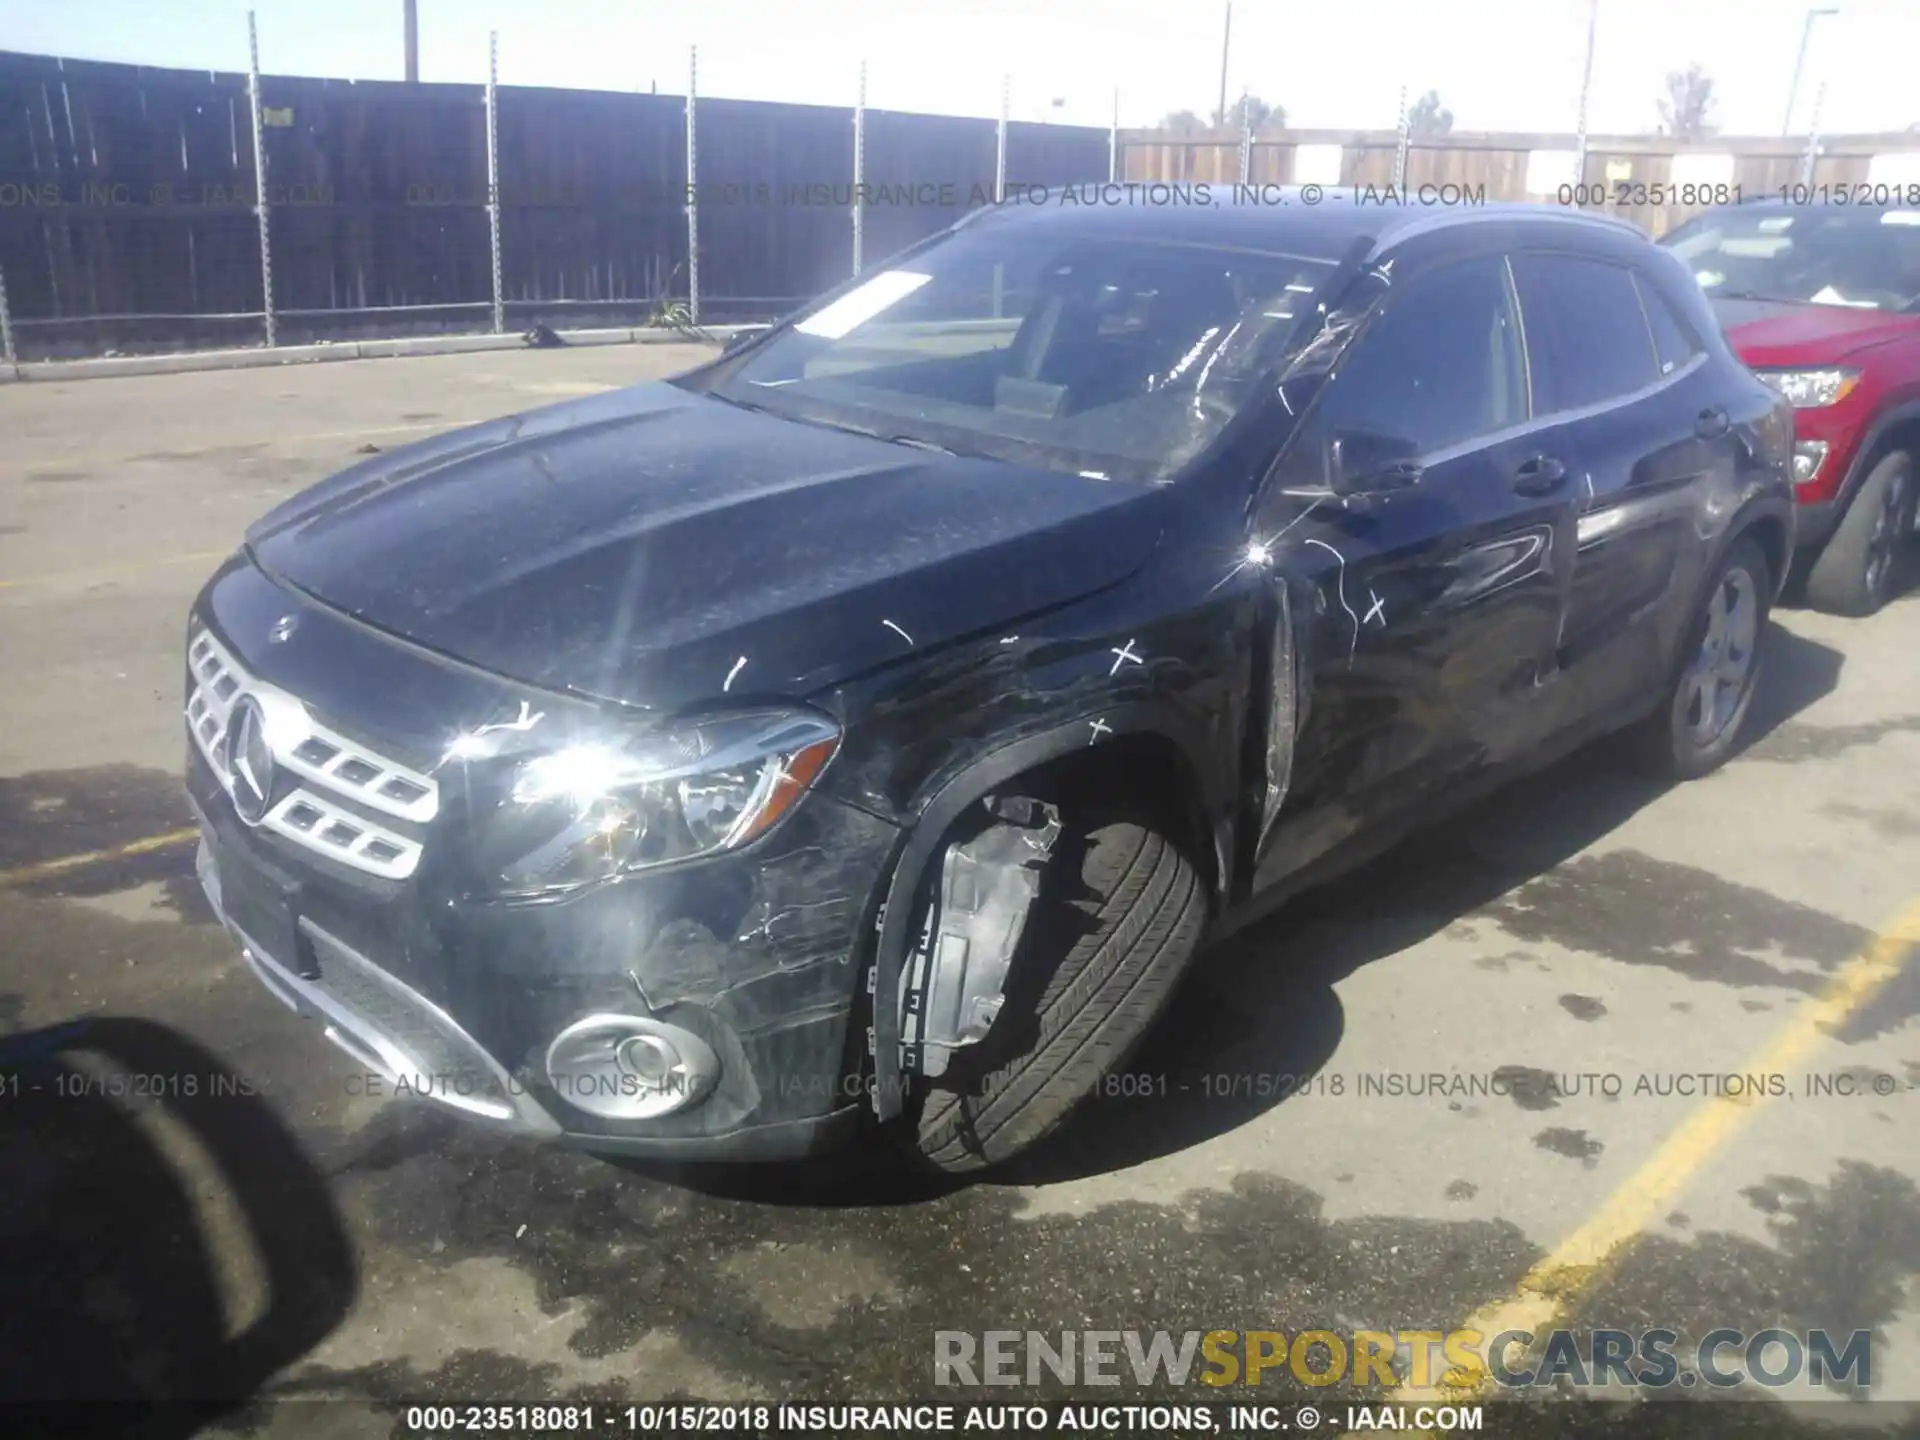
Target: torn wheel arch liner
point(895, 916)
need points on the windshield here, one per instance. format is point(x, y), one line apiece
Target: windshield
point(1869, 259)
point(1043, 346)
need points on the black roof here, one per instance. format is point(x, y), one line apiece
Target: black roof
point(1274, 218)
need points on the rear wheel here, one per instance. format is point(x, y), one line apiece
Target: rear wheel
point(1857, 569)
point(1117, 919)
point(1694, 732)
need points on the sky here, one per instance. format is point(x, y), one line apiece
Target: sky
point(1497, 64)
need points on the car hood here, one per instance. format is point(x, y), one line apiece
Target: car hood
point(659, 548)
point(1776, 332)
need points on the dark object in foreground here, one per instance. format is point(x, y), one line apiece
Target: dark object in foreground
point(112, 1318)
point(665, 771)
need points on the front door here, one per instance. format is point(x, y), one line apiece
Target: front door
point(1429, 612)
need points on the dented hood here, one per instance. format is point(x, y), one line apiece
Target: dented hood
point(658, 547)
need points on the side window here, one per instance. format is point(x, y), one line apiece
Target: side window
point(1674, 342)
point(1439, 364)
point(1587, 337)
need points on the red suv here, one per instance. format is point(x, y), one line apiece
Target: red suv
point(1823, 302)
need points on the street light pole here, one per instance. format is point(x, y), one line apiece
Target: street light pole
point(410, 26)
point(1800, 62)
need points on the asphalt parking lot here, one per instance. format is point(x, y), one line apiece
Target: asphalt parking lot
point(1597, 943)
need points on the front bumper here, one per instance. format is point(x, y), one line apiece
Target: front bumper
point(409, 1046)
point(1814, 522)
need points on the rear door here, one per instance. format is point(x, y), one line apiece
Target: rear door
point(1624, 391)
point(1434, 609)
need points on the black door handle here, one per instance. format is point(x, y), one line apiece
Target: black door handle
point(1712, 423)
point(1539, 475)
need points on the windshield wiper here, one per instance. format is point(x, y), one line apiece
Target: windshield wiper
point(1756, 295)
point(913, 441)
point(736, 402)
point(918, 444)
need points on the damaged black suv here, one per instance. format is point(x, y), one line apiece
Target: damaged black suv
point(863, 731)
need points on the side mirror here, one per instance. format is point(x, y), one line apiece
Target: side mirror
point(746, 335)
point(1364, 462)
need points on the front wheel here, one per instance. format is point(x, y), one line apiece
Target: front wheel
point(1694, 732)
point(1117, 918)
point(1856, 569)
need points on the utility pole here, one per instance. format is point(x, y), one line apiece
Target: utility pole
point(1586, 88)
point(411, 19)
point(1226, 45)
point(1800, 61)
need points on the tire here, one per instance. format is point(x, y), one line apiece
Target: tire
point(1097, 963)
point(1675, 740)
point(1857, 569)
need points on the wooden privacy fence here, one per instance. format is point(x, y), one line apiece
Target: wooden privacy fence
point(1649, 179)
point(133, 217)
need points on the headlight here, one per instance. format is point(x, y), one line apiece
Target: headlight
point(593, 810)
point(1812, 389)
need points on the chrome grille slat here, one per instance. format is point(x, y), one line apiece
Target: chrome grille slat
point(328, 761)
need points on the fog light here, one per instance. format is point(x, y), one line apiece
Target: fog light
point(624, 1067)
point(1808, 457)
point(650, 1060)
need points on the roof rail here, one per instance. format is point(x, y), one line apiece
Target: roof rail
point(1485, 214)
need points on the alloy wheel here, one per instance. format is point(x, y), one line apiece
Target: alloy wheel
point(1717, 682)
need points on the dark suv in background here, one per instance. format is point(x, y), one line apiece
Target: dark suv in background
point(867, 728)
point(1821, 301)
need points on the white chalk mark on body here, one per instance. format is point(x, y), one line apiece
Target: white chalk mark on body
point(738, 666)
point(898, 631)
point(473, 745)
point(1378, 610)
point(1100, 727)
point(1124, 656)
point(1340, 581)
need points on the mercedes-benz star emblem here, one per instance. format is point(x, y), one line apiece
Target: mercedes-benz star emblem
point(249, 760)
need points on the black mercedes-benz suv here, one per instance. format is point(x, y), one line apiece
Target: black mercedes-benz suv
point(863, 731)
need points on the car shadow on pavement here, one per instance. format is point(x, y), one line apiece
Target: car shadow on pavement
point(1257, 1017)
point(133, 1158)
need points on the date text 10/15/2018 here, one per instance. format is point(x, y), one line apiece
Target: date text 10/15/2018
point(1865, 194)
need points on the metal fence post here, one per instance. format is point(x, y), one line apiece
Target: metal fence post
point(260, 208)
point(859, 169)
point(6, 327)
point(1813, 136)
point(1405, 141)
point(1113, 140)
point(1246, 139)
point(493, 177)
point(693, 190)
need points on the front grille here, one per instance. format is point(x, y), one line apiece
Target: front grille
point(330, 769)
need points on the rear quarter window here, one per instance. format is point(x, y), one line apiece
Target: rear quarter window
point(1588, 337)
point(1675, 340)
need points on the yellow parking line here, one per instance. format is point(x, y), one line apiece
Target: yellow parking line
point(1552, 1286)
point(91, 857)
